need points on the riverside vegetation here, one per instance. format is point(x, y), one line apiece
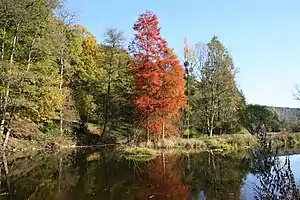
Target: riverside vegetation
point(60, 87)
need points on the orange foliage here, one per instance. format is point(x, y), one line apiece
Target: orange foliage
point(159, 78)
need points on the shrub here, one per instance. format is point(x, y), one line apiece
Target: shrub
point(285, 140)
point(217, 143)
point(191, 133)
point(241, 140)
point(178, 142)
point(244, 131)
point(49, 128)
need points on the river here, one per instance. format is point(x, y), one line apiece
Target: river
point(107, 175)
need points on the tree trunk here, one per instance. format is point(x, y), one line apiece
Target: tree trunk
point(13, 48)
point(2, 59)
point(0, 175)
point(107, 104)
point(61, 122)
point(2, 123)
point(3, 35)
point(188, 103)
point(9, 127)
point(33, 42)
point(211, 132)
point(60, 88)
point(148, 135)
point(189, 161)
point(211, 125)
point(7, 86)
point(164, 165)
point(30, 52)
point(208, 125)
point(213, 110)
point(163, 130)
point(5, 164)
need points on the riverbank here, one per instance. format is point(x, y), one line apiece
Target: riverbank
point(282, 140)
point(28, 138)
point(232, 142)
point(204, 143)
point(52, 143)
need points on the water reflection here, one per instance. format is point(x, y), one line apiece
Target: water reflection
point(107, 175)
point(216, 176)
point(275, 178)
point(162, 178)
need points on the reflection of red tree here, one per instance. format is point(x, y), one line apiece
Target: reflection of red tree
point(162, 180)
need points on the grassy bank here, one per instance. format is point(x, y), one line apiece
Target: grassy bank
point(28, 136)
point(285, 140)
point(227, 142)
point(43, 142)
point(204, 143)
point(232, 142)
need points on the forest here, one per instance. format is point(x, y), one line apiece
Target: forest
point(56, 77)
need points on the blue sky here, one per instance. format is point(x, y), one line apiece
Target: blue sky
point(261, 35)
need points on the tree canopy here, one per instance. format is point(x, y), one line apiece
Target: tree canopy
point(55, 72)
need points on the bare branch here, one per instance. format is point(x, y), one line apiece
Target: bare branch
point(296, 94)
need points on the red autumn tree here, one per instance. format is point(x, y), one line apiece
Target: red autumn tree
point(172, 92)
point(158, 76)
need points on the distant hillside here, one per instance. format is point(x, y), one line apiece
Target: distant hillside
point(286, 113)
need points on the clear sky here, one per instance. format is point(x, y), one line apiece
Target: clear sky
point(261, 35)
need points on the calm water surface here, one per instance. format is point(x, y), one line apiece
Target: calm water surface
point(105, 175)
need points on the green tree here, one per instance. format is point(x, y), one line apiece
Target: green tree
point(290, 124)
point(216, 100)
point(88, 76)
point(118, 77)
point(256, 115)
point(23, 28)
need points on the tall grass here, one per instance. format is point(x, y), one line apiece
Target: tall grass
point(285, 140)
point(224, 142)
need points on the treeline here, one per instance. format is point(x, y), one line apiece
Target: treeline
point(55, 73)
point(255, 115)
